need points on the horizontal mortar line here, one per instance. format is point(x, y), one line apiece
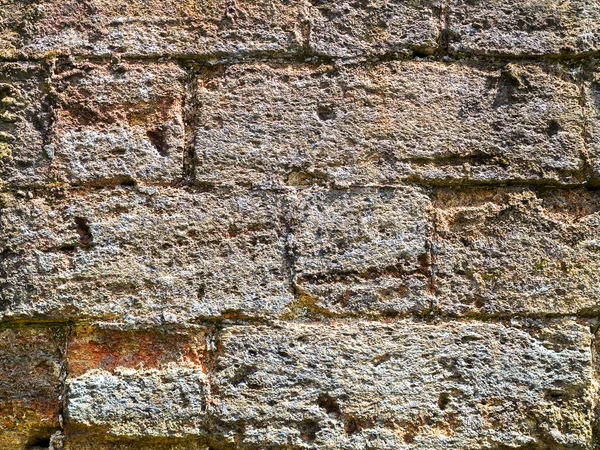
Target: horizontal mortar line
point(276, 322)
point(215, 59)
point(51, 190)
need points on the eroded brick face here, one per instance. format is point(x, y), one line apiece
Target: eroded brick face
point(315, 224)
point(269, 125)
point(31, 374)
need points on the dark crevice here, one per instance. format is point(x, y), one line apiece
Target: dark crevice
point(47, 118)
point(585, 136)
point(190, 116)
point(158, 139)
point(64, 374)
point(40, 444)
point(444, 36)
point(372, 273)
point(86, 240)
point(301, 54)
point(325, 112)
point(443, 400)
point(212, 350)
point(329, 404)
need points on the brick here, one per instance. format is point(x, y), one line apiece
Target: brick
point(362, 251)
point(161, 372)
point(144, 255)
point(118, 123)
point(376, 28)
point(111, 348)
point(24, 120)
point(157, 28)
point(30, 384)
point(511, 27)
point(269, 125)
point(591, 100)
point(517, 251)
point(150, 28)
point(138, 403)
point(84, 442)
point(406, 384)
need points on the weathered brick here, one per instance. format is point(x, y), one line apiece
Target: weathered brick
point(517, 251)
point(136, 383)
point(110, 348)
point(405, 385)
point(591, 100)
point(149, 28)
point(23, 123)
point(138, 403)
point(512, 27)
point(375, 28)
point(30, 384)
point(87, 442)
point(153, 28)
point(118, 123)
point(154, 254)
point(269, 124)
point(362, 251)
point(16, 25)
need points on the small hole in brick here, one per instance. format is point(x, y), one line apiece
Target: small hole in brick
point(40, 444)
point(443, 400)
point(355, 425)
point(479, 302)
point(422, 52)
point(553, 127)
point(83, 229)
point(309, 429)
point(158, 138)
point(325, 112)
point(329, 404)
point(409, 437)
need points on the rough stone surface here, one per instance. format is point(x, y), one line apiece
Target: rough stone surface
point(130, 403)
point(405, 385)
point(512, 27)
point(223, 27)
point(162, 255)
point(147, 380)
point(305, 224)
point(503, 252)
point(150, 28)
point(380, 28)
point(591, 100)
point(362, 251)
point(30, 384)
point(269, 124)
point(24, 121)
point(118, 123)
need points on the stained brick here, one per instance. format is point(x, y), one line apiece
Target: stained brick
point(118, 123)
point(31, 364)
point(24, 119)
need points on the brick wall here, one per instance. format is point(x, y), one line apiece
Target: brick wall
point(275, 224)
